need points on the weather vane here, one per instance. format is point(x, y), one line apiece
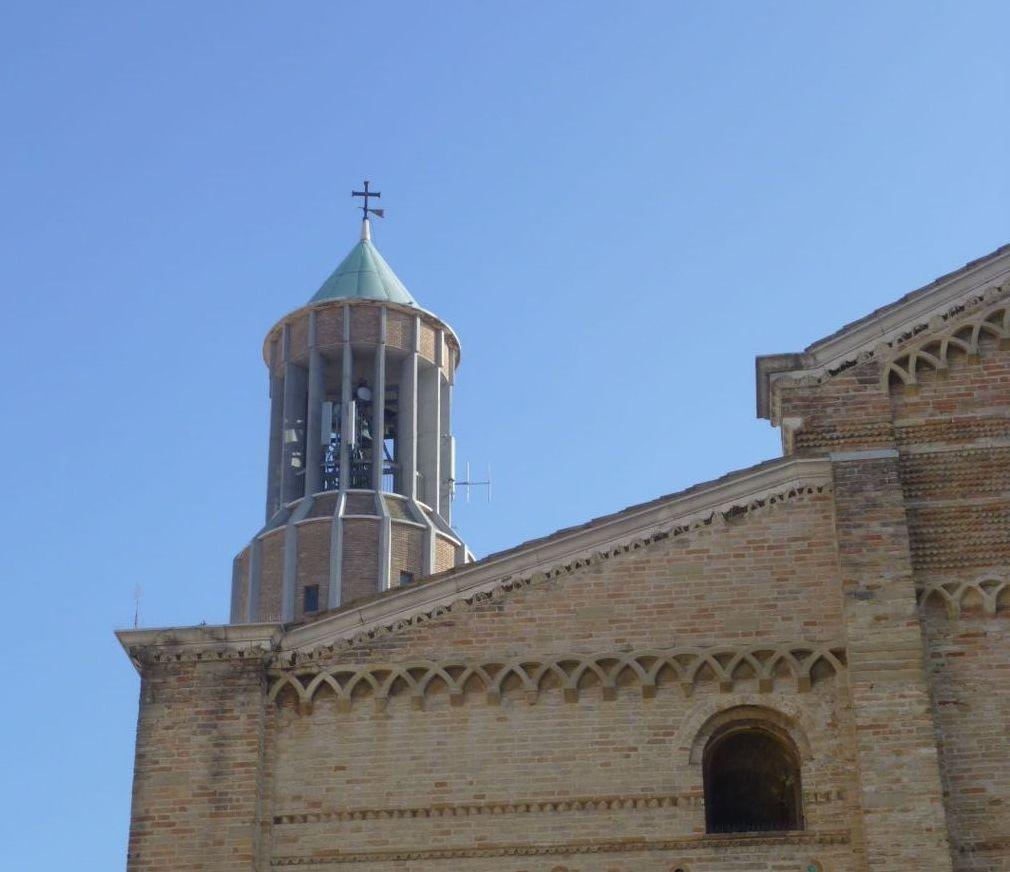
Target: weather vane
point(366, 210)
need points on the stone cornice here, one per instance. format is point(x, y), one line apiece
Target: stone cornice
point(274, 332)
point(628, 802)
point(201, 643)
point(701, 506)
point(749, 842)
point(886, 330)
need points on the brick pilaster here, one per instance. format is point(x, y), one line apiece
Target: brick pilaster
point(196, 787)
point(900, 791)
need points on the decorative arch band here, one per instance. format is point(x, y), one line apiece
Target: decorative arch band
point(770, 666)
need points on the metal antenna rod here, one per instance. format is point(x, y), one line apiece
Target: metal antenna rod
point(470, 483)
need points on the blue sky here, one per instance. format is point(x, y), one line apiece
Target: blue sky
point(617, 206)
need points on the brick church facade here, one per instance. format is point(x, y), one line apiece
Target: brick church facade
point(803, 665)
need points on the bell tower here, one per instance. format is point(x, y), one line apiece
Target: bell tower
point(361, 456)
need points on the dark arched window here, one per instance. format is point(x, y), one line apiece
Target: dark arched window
point(752, 782)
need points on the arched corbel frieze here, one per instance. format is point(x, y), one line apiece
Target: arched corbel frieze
point(934, 353)
point(797, 665)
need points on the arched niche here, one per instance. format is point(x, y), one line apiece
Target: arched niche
point(752, 778)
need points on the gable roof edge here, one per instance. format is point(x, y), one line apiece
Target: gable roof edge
point(883, 325)
point(739, 488)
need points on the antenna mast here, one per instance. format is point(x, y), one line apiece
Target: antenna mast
point(470, 483)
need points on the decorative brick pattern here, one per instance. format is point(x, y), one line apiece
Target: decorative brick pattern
point(684, 667)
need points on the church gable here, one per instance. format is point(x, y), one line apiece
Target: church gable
point(956, 367)
point(675, 554)
point(837, 390)
point(742, 594)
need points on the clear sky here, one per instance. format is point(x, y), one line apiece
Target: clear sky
point(616, 205)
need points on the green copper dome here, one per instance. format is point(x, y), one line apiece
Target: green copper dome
point(364, 275)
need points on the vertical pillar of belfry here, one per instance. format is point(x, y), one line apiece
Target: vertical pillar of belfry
point(445, 447)
point(428, 420)
point(335, 594)
point(379, 404)
point(314, 414)
point(346, 367)
point(276, 422)
point(378, 452)
point(899, 775)
point(337, 552)
point(408, 415)
point(293, 433)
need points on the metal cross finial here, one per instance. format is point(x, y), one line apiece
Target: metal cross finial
point(366, 210)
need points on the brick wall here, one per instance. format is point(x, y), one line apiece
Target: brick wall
point(313, 562)
point(900, 789)
point(590, 784)
point(458, 781)
point(951, 430)
point(272, 581)
point(360, 572)
point(956, 476)
point(406, 551)
point(865, 615)
point(196, 775)
point(445, 554)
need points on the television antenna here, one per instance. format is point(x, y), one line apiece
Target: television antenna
point(138, 592)
point(469, 483)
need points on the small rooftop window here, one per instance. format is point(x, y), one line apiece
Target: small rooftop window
point(311, 598)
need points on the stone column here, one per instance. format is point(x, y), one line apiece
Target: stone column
point(408, 417)
point(293, 437)
point(446, 447)
point(347, 364)
point(428, 420)
point(379, 404)
point(276, 423)
point(900, 790)
point(378, 452)
point(314, 414)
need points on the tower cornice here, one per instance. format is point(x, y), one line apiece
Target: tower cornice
point(274, 333)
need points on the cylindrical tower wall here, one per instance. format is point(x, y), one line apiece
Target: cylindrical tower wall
point(360, 468)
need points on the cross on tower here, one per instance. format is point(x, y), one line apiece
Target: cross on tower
point(366, 209)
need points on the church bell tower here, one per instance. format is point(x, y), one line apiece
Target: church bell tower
point(361, 455)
